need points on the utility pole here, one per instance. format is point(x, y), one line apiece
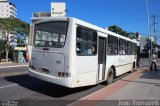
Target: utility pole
point(149, 32)
point(155, 39)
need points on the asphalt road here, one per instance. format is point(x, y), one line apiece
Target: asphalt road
point(15, 84)
point(30, 90)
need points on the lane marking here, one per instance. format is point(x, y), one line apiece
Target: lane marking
point(13, 66)
point(12, 85)
point(12, 74)
point(105, 92)
point(8, 86)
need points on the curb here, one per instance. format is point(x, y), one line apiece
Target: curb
point(13, 66)
point(1, 63)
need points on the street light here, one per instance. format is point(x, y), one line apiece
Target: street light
point(149, 32)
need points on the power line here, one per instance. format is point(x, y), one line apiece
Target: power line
point(136, 20)
point(133, 21)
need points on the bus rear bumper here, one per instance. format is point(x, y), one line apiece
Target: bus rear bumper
point(67, 81)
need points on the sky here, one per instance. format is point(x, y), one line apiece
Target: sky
point(130, 15)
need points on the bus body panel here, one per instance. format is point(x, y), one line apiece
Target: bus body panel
point(29, 50)
point(122, 63)
point(125, 64)
point(87, 70)
point(52, 79)
point(53, 62)
point(85, 79)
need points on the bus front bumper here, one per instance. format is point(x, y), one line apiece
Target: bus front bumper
point(66, 81)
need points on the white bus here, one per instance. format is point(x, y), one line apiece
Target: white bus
point(74, 53)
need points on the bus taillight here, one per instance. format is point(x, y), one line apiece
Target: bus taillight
point(63, 74)
point(45, 48)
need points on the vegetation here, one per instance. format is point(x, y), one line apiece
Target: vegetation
point(120, 31)
point(20, 42)
point(117, 30)
point(147, 46)
point(2, 48)
point(11, 25)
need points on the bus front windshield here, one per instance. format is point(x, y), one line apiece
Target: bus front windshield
point(51, 34)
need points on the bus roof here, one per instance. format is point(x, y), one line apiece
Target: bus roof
point(82, 23)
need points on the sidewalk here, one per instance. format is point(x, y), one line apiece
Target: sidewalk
point(142, 85)
point(146, 87)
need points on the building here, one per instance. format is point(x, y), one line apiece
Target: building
point(7, 9)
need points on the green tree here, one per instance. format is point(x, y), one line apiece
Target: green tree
point(11, 25)
point(132, 35)
point(122, 32)
point(117, 30)
point(150, 45)
point(20, 42)
point(2, 48)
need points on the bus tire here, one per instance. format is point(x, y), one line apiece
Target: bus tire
point(110, 76)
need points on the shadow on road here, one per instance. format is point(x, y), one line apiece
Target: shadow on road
point(56, 91)
point(157, 84)
point(151, 74)
point(45, 88)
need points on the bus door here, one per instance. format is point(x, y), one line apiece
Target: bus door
point(101, 58)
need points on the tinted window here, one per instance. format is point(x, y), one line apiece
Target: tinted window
point(112, 48)
point(134, 48)
point(50, 34)
point(129, 48)
point(86, 41)
point(122, 47)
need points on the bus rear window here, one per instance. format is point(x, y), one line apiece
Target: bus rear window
point(51, 34)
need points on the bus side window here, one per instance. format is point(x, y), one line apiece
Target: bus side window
point(78, 32)
point(86, 41)
point(78, 48)
point(46, 43)
point(78, 45)
point(134, 48)
point(129, 48)
point(112, 48)
point(122, 47)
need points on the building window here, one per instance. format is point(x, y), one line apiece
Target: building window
point(11, 16)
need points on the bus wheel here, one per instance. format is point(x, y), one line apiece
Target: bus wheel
point(110, 76)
